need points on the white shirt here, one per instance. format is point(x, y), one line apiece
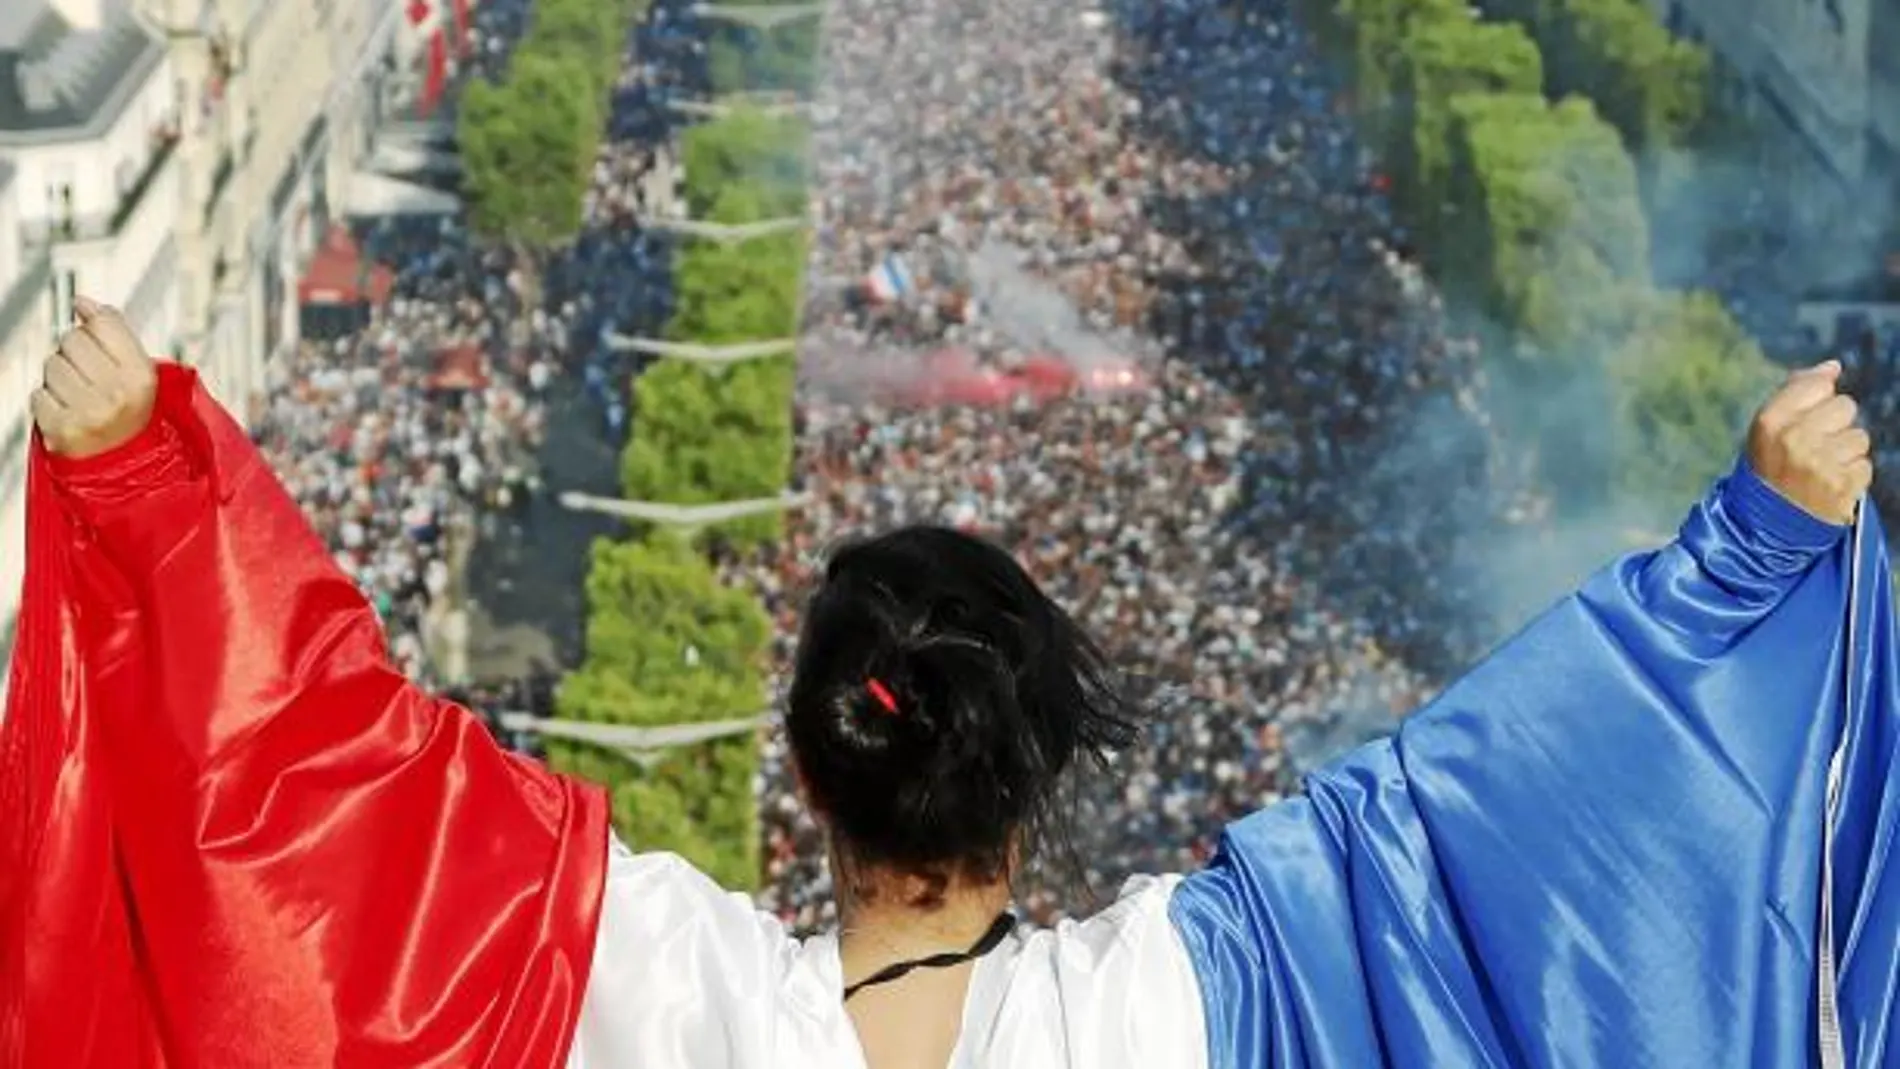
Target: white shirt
point(688, 976)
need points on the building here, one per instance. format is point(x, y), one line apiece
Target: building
point(26, 325)
point(284, 99)
point(1820, 82)
point(89, 195)
point(183, 159)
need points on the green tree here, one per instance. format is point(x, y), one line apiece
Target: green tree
point(749, 147)
point(668, 644)
point(781, 59)
point(1375, 31)
point(1551, 235)
point(1686, 382)
point(710, 435)
point(698, 802)
point(1651, 86)
point(591, 32)
point(1551, 254)
point(1442, 59)
point(742, 292)
point(527, 148)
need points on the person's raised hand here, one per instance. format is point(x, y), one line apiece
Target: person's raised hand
point(99, 386)
point(1805, 444)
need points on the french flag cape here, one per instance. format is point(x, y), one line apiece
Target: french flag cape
point(232, 836)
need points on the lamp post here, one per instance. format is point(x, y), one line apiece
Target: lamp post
point(701, 354)
point(724, 233)
point(759, 16)
point(645, 745)
point(689, 517)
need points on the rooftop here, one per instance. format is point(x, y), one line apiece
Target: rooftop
point(58, 77)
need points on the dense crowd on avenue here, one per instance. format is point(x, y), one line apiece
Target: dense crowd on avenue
point(422, 427)
point(1248, 535)
point(404, 438)
point(1272, 534)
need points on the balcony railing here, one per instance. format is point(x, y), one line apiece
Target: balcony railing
point(70, 226)
point(167, 143)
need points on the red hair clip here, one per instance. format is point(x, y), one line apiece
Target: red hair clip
point(882, 694)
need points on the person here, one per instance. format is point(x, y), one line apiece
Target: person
point(1653, 829)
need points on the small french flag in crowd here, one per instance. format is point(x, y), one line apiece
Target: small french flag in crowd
point(889, 281)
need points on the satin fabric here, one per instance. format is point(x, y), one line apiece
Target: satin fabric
point(236, 835)
point(70, 991)
point(688, 976)
point(1600, 848)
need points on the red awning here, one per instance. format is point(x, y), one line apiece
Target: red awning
point(337, 274)
point(460, 368)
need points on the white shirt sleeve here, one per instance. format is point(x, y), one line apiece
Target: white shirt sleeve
point(684, 972)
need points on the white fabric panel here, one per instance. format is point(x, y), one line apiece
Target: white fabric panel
point(688, 976)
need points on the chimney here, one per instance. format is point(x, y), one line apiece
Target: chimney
point(80, 14)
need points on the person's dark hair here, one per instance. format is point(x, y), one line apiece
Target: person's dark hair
point(938, 699)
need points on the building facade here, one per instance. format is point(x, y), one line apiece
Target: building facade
point(1819, 81)
point(27, 322)
point(89, 138)
point(181, 159)
point(286, 96)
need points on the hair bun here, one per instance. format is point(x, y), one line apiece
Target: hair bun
point(938, 697)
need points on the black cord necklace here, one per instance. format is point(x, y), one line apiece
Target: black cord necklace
point(1000, 928)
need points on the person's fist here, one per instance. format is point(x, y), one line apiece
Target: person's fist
point(99, 386)
point(1805, 444)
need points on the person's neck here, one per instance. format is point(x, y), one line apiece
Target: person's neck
point(887, 928)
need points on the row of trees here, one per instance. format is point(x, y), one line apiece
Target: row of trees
point(1531, 213)
point(776, 57)
point(528, 141)
point(667, 641)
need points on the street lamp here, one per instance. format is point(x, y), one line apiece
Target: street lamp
point(687, 516)
point(701, 354)
point(724, 233)
point(645, 745)
point(759, 16)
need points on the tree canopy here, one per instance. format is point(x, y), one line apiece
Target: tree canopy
point(1551, 229)
point(716, 435)
point(1687, 381)
point(667, 641)
point(1647, 83)
point(527, 146)
point(1444, 59)
point(528, 141)
point(756, 157)
point(1511, 142)
point(747, 59)
point(739, 292)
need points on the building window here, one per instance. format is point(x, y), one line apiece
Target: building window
point(59, 200)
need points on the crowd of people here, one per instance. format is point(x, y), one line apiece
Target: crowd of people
point(1268, 535)
point(404, 436)
point(1273, 534)
point(423, 427)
